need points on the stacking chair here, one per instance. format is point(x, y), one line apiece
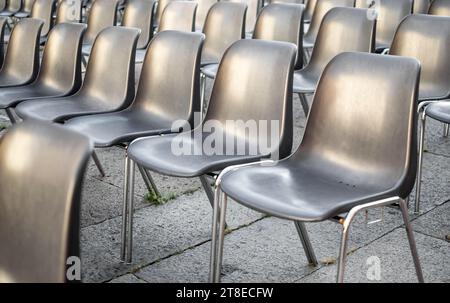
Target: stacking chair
point(2, 5)
point(40, 201)
point(68, 11)
point(202, 11)
point(224, 25)
point(12, 7)
point(3, 22)
point(44, 9)
point(343, 29)
point(156, 107)
point(159, 10)
point(421, 6)
point(309, 10)
point(349, 159)
point(60, 73)
point(25, 11)
point(102, 14)
point(440, 8)
point(253, 8)
point(250, 70)
point(179, 16)
point(21, 63)
point(426, 38)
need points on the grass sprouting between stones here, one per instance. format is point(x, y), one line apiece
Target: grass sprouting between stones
point(152, 197)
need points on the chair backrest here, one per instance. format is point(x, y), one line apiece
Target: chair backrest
point(27, 5)
point(178, 15)
point(253, 7)
point(321, 9)
point(101, 15)
point(421, 6)
point(390, 14)
point(360, 100)
point(224, 25)
point(61, 60)
point(160, 9)
point(13, 5)
point(2, 4)
point(114, 49)
point(343, 29)
point(202, 11)
point(22, 53)
point(68, 11)
point(440, 8)
point(139, 14)
point(3, 21)
point(427, 38)
point(310, 6)
point(40, 200)
point(256, 70)
point(172, 93)
point(43, 9)
point(282, 22)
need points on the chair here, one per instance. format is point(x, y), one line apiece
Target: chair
point(156, 107)
point(25, 11)
point(68, 11)
point(202, 11)
point(440, 8)
point(232, 98)
point(3, 22)
point(139, 14)
point(40, 201)
point(426, 38)
point(12, 7)
point(179, 16)
point(343, 29)
point(349, 159)
point(253, 8)
point(421, 6)
point(101, 91)
point(159, 10)
point(21, 62)
point(44, 9)
point(309, 10)
point(60, 73)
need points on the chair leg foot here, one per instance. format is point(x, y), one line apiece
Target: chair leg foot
point(98, 164)
point(307, 246)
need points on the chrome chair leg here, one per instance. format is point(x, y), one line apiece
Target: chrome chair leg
point(148, 180)
point(10, 113)
point(215, 220)
point(412, 242)
point(422, 118)
point(446, 127)
point(98, 164)
point(220, 238)
point(207, 188)
point(126, 189)
point(202, 94)
point(304, 103)
point(306, 243)
point(129, 250)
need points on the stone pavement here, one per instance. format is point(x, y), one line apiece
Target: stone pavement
point(172, 240)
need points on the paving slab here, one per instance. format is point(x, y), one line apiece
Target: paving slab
point(128, 278)
point(435, 223)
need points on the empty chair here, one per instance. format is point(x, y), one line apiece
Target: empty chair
point(320, 10)
point(160, 9)
point(101, 15)
point(309, 10)
point(68, 11)
point(253, 7)
point(3, 22)
point(179, 16)
point(25, 11)
point(440, 8)
point(2, 5)
point(343, 29)
point(139, 14)
point(421, 6)
point(202, 11)
point(12, 7)
point(44, 9)
point(102, 90)
point(60, 72)
point(262, 65)
point(426, 38)
point(21, 63)
point(40, 201)
point(349, 159)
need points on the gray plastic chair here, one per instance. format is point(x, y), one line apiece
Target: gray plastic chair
point(265, 75)
point(421, 6)
point(343, 29)
point(40, 201)
point(62, 50)
point(68, 11)
point(179, 16)
point(139, 14)
point(426, 38)
point(202, 11)
point(3, 22)
point(253, 8)
point(25, 11)
point(340, 168)
point(44, 10)
point(21, 63)
point(12, 7)
point(102, 90)
point(440, 8)
point(2, 5)
point(309, 10)
point(159, 10)
point(276, 22)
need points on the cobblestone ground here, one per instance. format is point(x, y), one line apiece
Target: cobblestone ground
point(172, 240)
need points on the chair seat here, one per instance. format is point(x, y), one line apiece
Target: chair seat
point(14, 95)
point(157, 155)
point(7, 13)
point(439, 111)
point(380, 47)
point(120, 127)
point(59, 109)
point(297, 192)
point(22, 15)
point(210, 70)
point(206, 60)
point(7, 80)
point(304, 82)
